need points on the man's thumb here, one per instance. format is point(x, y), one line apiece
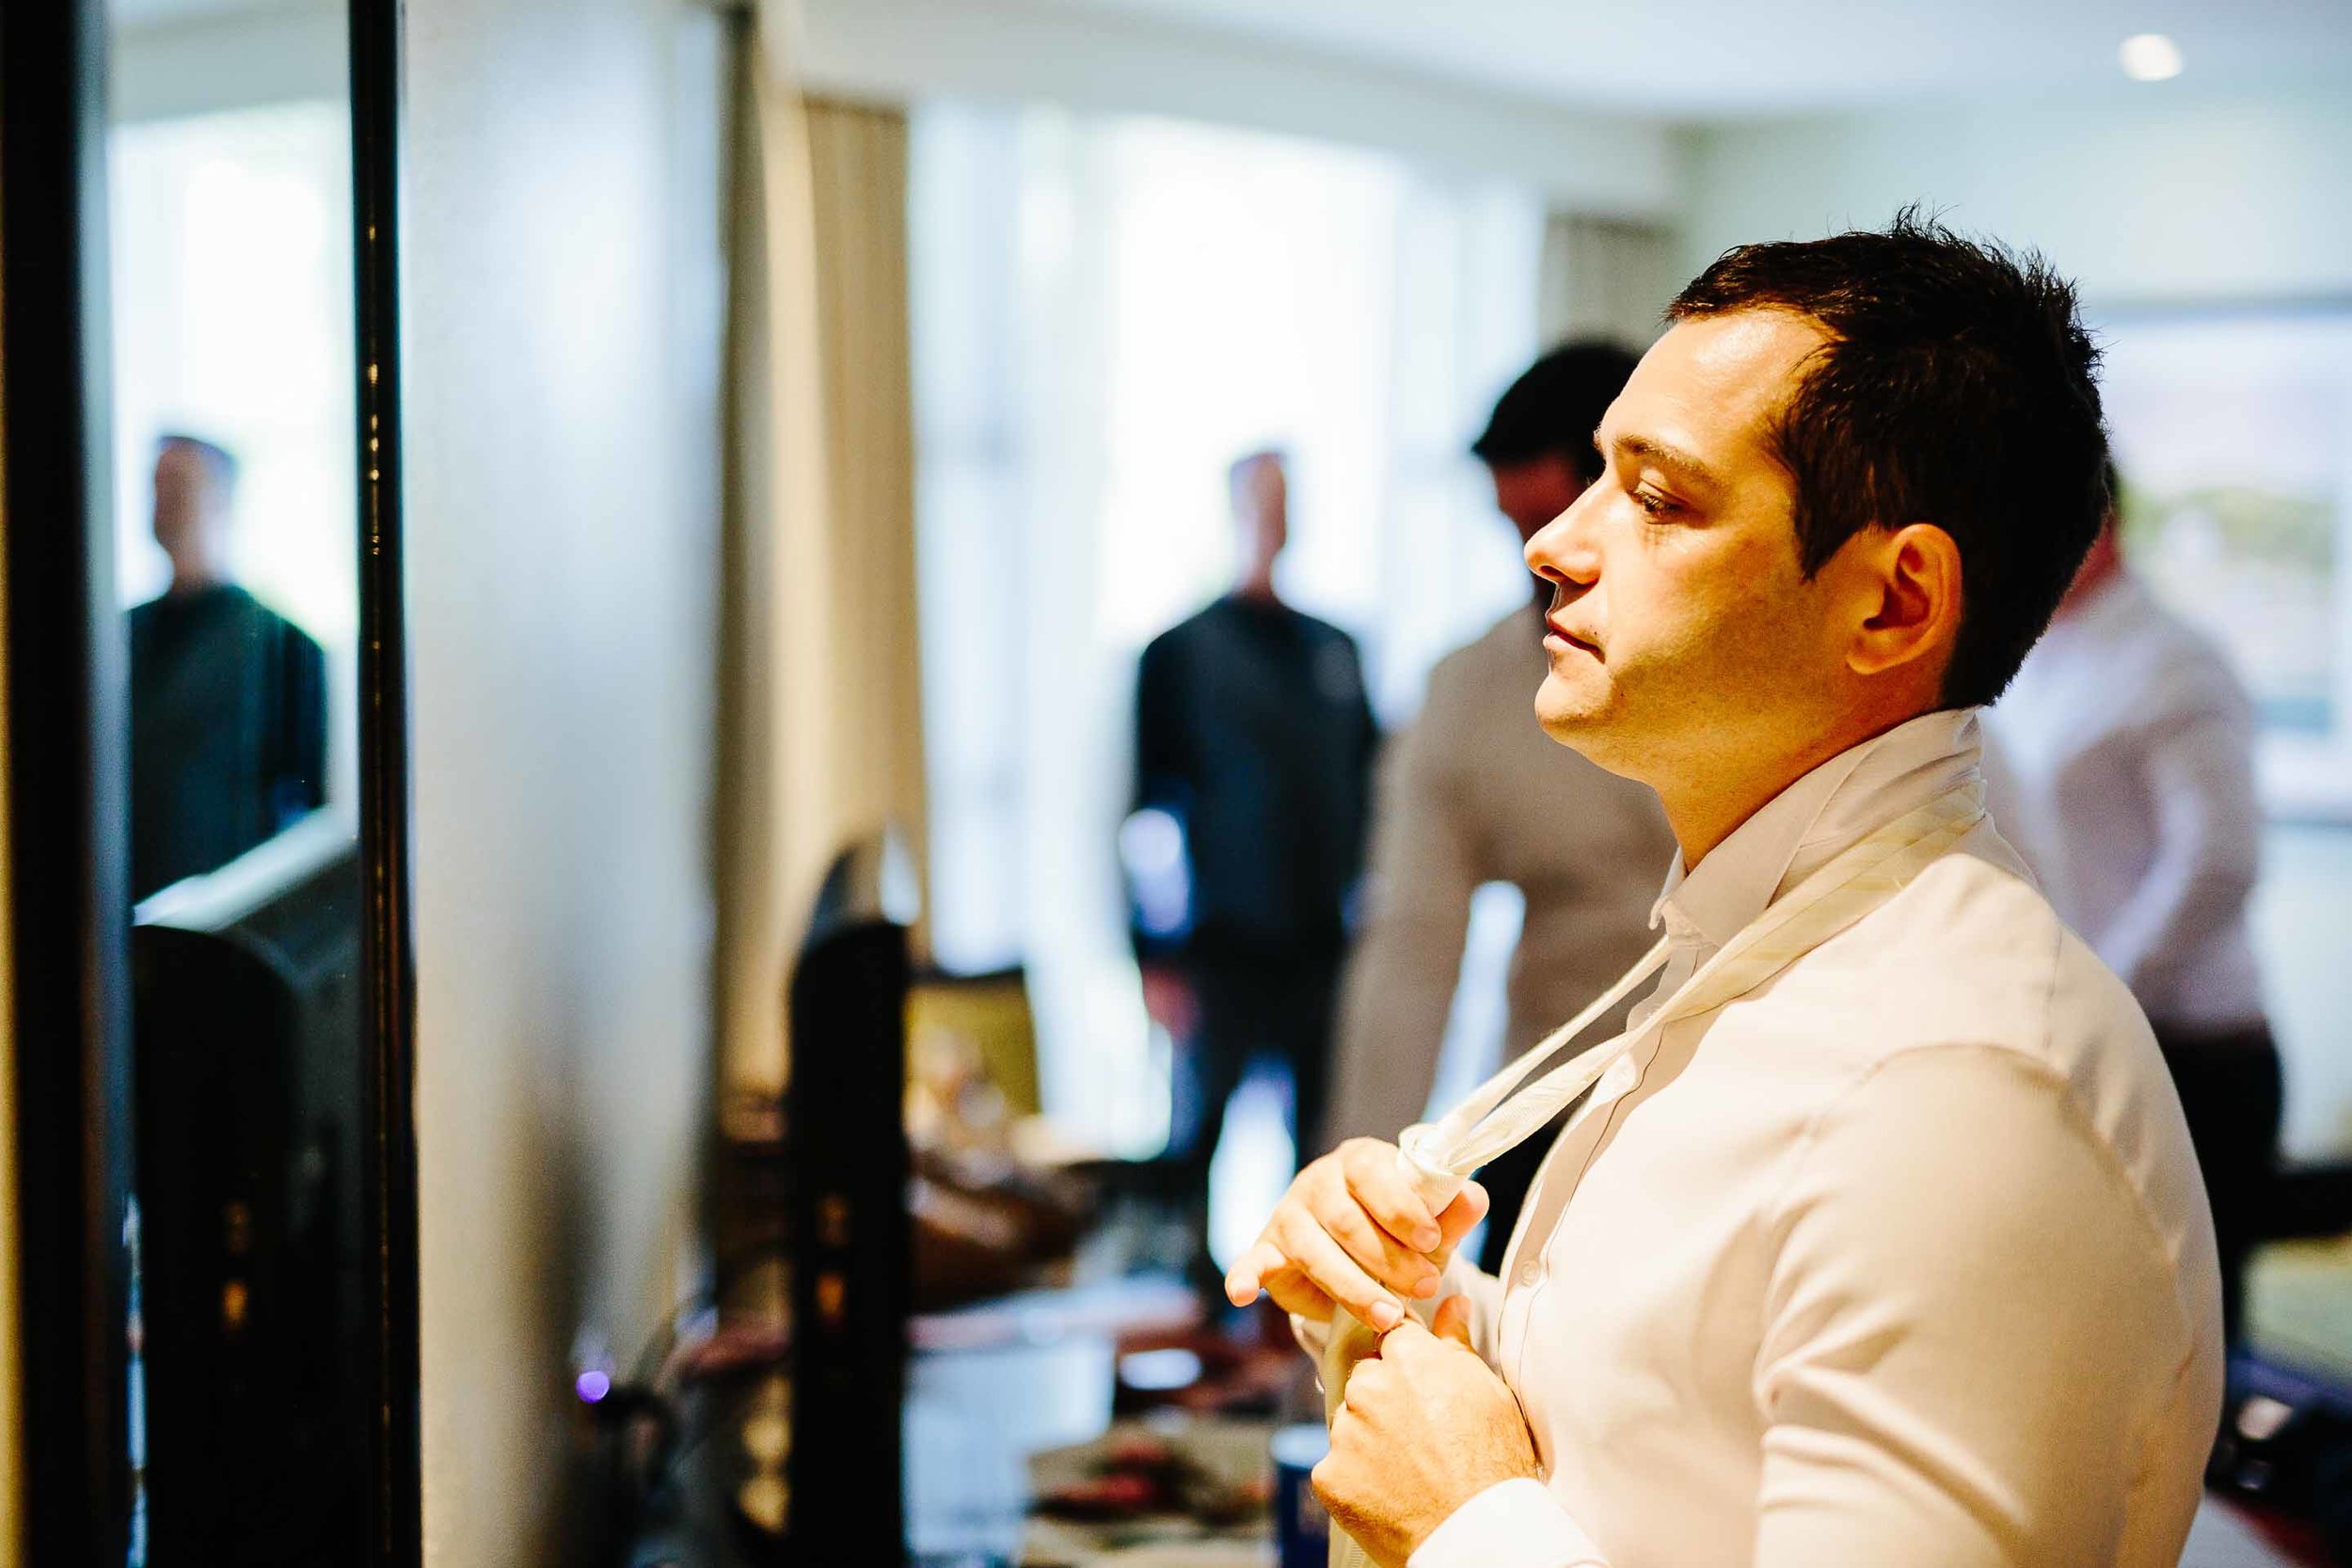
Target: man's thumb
point(1453, 1320)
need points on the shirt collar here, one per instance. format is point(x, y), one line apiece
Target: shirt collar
point(1809, 823)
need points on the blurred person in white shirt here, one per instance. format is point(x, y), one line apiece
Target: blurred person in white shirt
point(2129, 746)
point(1474, 792)
point(1894, 1254)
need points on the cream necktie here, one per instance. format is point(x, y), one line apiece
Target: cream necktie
point(1522, 1098)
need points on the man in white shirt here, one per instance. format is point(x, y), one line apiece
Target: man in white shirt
point(1896, 1254)
point(2130, 748)
point(1473, 793)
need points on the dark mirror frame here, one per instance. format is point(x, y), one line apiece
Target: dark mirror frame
point(65, 758)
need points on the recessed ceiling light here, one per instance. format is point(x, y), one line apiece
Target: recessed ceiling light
point(2150, 58)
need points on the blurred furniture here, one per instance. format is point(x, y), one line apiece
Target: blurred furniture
point(249, 1259)
point(987, 1015)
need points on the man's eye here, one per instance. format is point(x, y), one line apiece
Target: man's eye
point(1653, 503)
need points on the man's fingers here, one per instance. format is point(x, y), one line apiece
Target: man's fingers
point(1382, 1255)
point(1454, 1321)
point(1378, 1180)
point(1469, 1207)
point(1294, 1291)
point(1309, 1248)
point(1247, 1276)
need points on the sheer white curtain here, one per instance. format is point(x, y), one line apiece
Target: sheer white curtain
point(1107, 311)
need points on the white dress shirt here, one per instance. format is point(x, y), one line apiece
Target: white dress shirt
point(1903, 1257)
point(1474, 792)
point(2131, 747)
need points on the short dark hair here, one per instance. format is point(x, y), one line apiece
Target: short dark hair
point(1555, 407)
point(1958, 387)
point(221, 464)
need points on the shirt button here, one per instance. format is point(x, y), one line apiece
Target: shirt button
point(1531, 1272)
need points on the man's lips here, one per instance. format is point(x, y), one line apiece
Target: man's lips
point(1556, 633)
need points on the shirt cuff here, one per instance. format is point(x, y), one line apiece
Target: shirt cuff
point(1513, 1524)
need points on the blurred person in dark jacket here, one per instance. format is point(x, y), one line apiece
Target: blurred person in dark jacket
point(1475, 792)
point(227, 698)
point(1254, 743)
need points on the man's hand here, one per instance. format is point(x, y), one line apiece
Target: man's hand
point(1352, 1231)
point(1425, 1427)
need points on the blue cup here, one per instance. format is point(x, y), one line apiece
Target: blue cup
point(1302, 1531)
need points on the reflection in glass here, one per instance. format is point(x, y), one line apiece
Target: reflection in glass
point(229, 178)
point(227, 697)
point(232, 388)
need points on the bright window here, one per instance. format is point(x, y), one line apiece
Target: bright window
point(1107, 312)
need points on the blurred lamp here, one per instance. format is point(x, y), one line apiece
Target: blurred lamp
point(2150, 58)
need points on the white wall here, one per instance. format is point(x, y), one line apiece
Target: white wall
point(563, 299)
point(2174, 198)
point(1091, 58)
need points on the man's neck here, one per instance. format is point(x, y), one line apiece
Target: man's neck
point(1725, 795)
point(1257, 591)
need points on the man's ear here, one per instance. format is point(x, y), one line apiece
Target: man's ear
point(1911, 580)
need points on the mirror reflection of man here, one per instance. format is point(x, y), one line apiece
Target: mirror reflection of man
point(1254, 738)
point(1475, 792)
point(227, 698)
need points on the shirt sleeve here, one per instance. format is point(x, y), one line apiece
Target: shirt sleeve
point(1399, 985)
point(1970, 1325)
point(1513, 1524)
point(2201, 778)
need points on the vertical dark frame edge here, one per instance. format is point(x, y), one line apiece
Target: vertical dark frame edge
point(396, 1479)
point(68, 697)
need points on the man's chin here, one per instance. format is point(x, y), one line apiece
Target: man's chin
point(1592, 723)
point(1570, 716)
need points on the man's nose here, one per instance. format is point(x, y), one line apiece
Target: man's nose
point(1562, 550)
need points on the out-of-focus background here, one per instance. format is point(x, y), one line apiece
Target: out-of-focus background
point(814, 413)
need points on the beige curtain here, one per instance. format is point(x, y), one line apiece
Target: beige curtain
point(1605, 278)
point(819, 715)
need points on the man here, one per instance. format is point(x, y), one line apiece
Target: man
point(228, 699)
point(1894, 1254)
point(1473, 793)
point(2132, 748)
point(1255, 741)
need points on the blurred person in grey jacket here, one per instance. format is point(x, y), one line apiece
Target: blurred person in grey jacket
point(1475, 792)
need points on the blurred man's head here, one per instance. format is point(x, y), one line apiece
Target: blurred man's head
point(1846, 488)
point(1261, 495)
point(196, 480)
point(1539, 443)
point(2106, 558)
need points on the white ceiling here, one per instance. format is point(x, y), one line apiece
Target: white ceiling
point(1701, 59)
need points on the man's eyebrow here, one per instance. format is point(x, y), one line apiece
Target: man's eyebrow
point(1669, 457)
